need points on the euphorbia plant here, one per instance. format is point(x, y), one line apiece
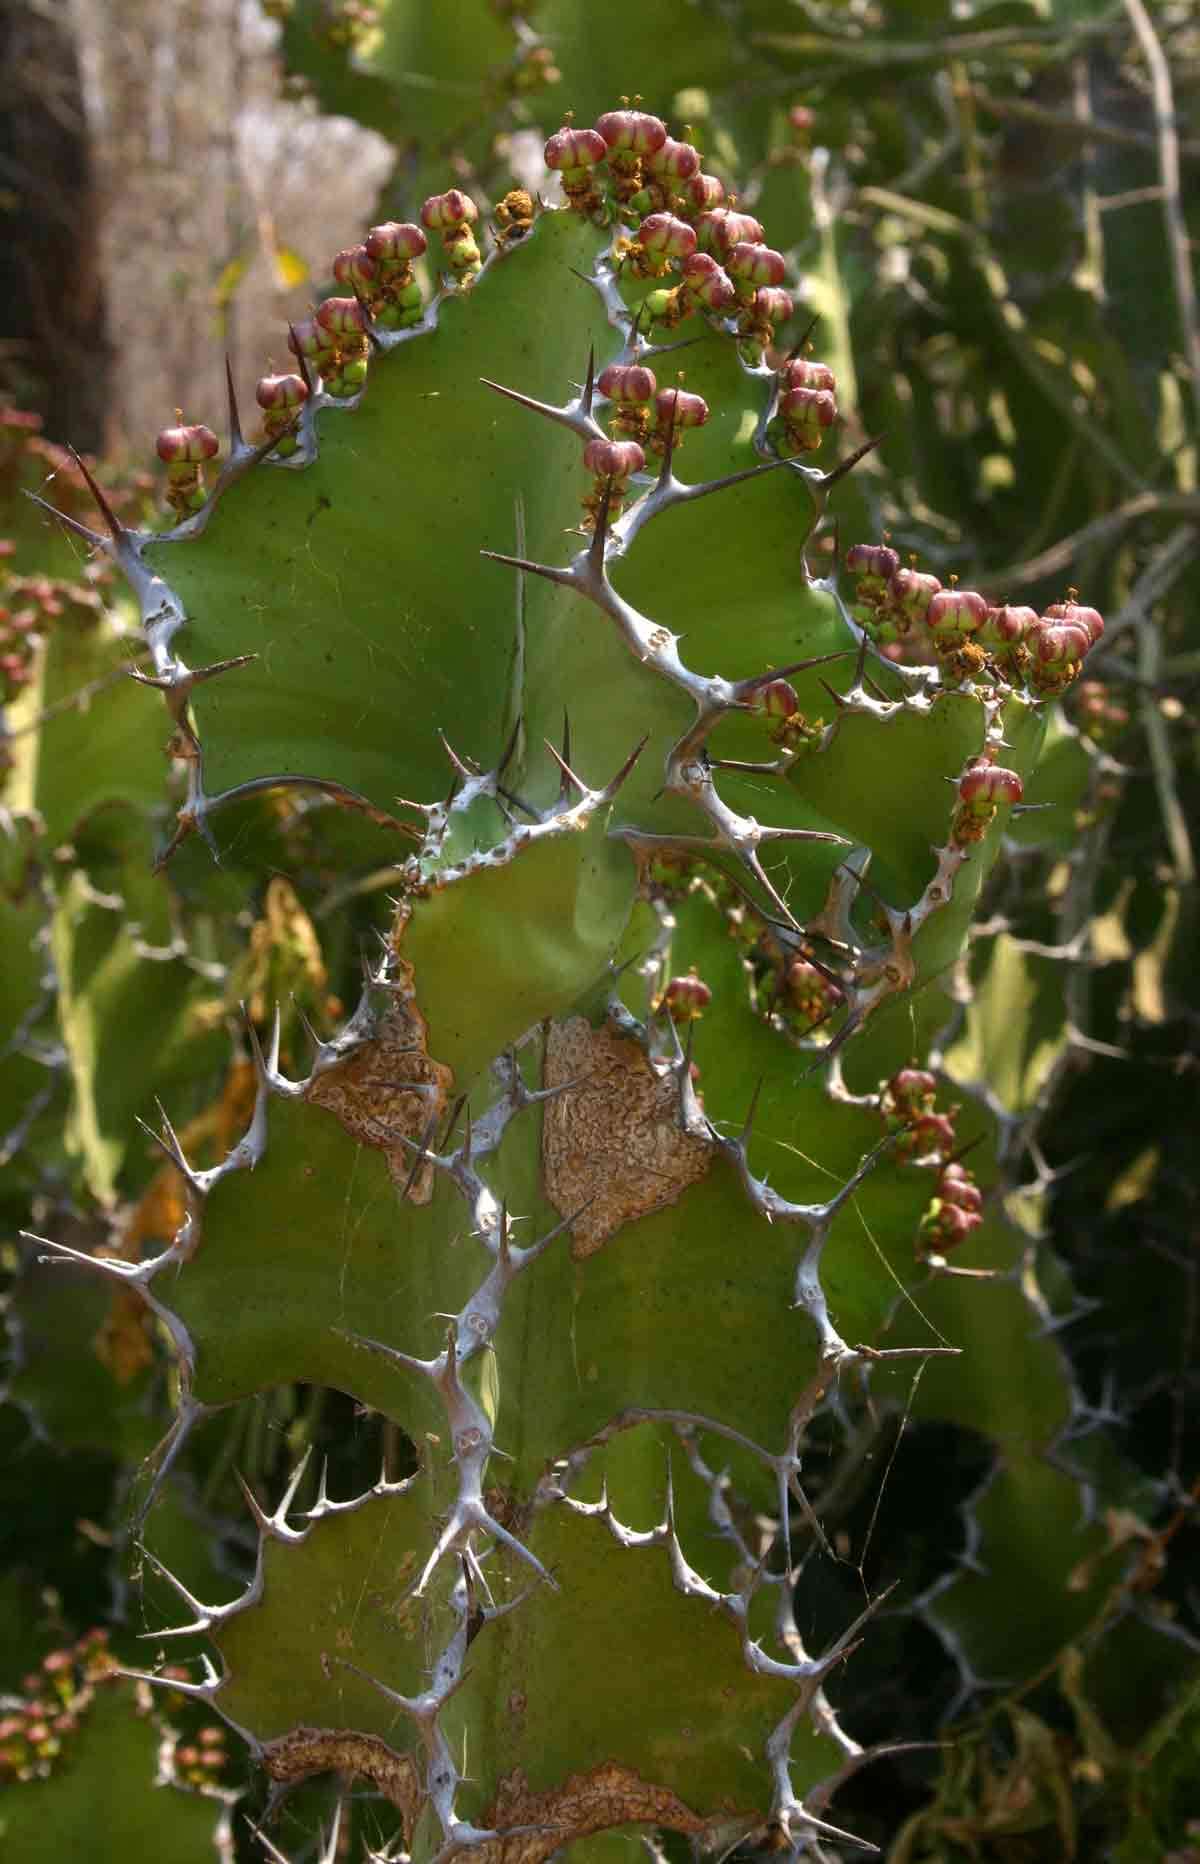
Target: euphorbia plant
point(604, 1192)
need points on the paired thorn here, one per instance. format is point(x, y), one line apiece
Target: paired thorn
point(236, 442)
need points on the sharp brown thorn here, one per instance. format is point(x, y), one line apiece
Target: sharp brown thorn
point(837, 698)
point(875, 689)
point(851, 461)
point(801, 345)
point(301, 360)
point(566, 755)
point(509, 749)
point(861, 663)
point(460, 768)
point(751, 1113)
point(568, 775)
point(600, 533)
point(92, 538)
point(589, 387)
point(235, 420)
point(610, 790)
point(106, 511)
point(664, 476)
point(518, 802)
point(532, 569)
point(422, 1155)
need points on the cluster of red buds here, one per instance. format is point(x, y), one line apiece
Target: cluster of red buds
point(642, 415)
point(779, 701)
point(982, 788)
point(927, 1137)
point(683, 998)
point(533, 69)
point(906, 1102)
point(281, 398)
point(681, 228)
point(30, 606)
point(185, 449)
point(810, 997)
point(955, 1209)
point(52, 1703)
point(452, 216)
point(1098, 715)
point(333, 345)
point(965, 631)
point(807, 405)
point(380, 273)
point(201, 1761)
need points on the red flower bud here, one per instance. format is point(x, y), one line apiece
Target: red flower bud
point(1006, 626)
point(396, 239)
point(720, 229)
point(775, 305)
point(342, 317)
point(757, 265)
point(956, 611)
point(677, 161)
point(956, 1186)
point(778, 699)
point(808, 408)
point(452, 209)
point(912, 591)
point(355, 266)
point(675, 407)
point(1056, 645)
point(801, 119)
point(575, 148)
point(614, 459)
point(990, 784)
point(703, 192)
point(1075, 615)
point(280, 391)
point(687, 996)
point(705, 280)
point(187, 445)
point(627, 382)
point(877, 561)
point(632, 132)
point(801, 373)
point(667, 237)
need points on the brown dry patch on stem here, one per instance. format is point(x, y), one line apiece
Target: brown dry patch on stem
point(616, 1139)
point(608, 1796)
point(307, 1751)
point(389, 1089)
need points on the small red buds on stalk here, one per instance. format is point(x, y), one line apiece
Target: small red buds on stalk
point(874, 565)
point(1058, 644)
point(720, 229)
point(674, 411)
point(452, 215)
point(630, 386)
point(344, 323)
point(809, 995)
point(281, 398)
point(184, 450)
point(685, 998)
point(613, 463)
point(395, 299)
point(662, 240)
point(629, 136)
point(573, 154)
point(982, 788)
point(955, 1210)
point(806, 414)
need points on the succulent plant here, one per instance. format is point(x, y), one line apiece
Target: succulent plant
point(679, 1131)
